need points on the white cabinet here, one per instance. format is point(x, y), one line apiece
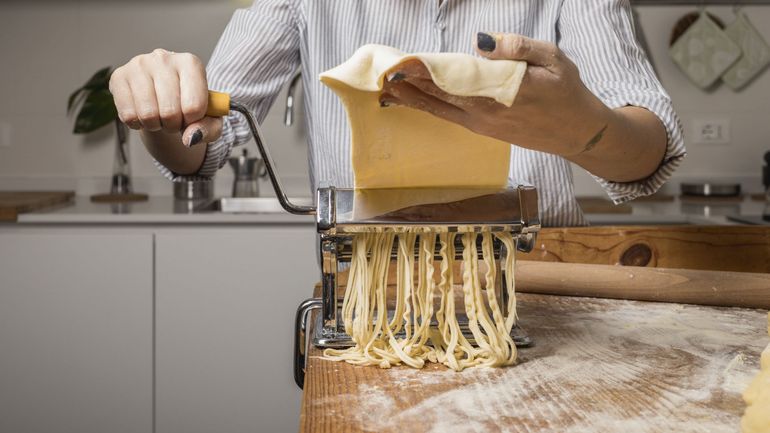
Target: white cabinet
point(75, 332)
point(225, 304)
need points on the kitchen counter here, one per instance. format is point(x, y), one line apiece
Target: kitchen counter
point(675, 210)
point(156, 210)
point(167, 210)
point(597, 365)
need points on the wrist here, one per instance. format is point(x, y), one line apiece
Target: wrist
point(168, 149)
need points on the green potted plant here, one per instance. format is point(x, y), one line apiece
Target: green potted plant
point(94, 108)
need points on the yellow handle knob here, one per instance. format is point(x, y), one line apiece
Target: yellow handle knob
point(219, 104)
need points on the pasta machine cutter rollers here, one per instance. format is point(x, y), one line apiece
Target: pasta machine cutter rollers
point(341, 213)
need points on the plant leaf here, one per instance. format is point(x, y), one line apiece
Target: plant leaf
point(75, 99)
point(100, 80)
point(98, 110)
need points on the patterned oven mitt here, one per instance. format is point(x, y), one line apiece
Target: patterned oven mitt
point(704, 52)
point(756, 52)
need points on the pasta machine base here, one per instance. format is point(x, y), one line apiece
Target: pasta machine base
point(345, 213)
point(329, 338)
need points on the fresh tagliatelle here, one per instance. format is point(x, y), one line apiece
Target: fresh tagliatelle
point(411, 336)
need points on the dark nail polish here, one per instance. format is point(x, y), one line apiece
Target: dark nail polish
point(196, 137)
point(396, 77)
point(486, 42)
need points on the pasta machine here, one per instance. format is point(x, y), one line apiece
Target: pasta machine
point(341, 213)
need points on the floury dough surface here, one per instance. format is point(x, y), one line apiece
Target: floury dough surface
point(757, 396)
point(597, 365)
point(397, 146)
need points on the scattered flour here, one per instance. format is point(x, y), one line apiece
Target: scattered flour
point(601, 367)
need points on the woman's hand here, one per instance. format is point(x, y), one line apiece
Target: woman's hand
point(165, 92)
point(165, 96)
point(553, 111)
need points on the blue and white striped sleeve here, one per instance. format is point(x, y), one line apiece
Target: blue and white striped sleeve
point(599, 36)
point(257, 53)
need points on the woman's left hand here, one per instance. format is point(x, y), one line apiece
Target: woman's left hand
point(553, 112)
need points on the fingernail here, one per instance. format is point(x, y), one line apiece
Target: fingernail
point(386, 100)
point(196, 137)
point(396, 77)
point(486, 42)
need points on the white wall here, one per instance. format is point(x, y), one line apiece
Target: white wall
point(748, 109)
point(48, 48)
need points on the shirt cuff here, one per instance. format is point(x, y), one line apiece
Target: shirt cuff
point(217, 151)
point(660, 105)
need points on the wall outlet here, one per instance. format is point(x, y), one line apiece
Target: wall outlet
point(711, 131)
point(5, 133)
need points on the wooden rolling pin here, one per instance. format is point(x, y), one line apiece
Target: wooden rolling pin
point(715, 288)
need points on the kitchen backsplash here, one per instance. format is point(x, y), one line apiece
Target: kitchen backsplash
point(50, 47)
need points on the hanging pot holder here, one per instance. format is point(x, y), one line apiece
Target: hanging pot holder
point(704, 52)
point(756, 52)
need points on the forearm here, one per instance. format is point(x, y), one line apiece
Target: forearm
point(629, 146)
point(168, 149)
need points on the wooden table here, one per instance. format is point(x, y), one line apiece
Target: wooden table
point(598, 365)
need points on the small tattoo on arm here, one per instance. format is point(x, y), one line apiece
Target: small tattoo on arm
point(594, 141)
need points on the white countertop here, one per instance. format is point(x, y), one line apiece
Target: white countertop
point(156, 210)
point(166, 210)
point(676, 211)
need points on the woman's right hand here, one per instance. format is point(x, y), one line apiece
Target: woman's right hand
point(168, 92)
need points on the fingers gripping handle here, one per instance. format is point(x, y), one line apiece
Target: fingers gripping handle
point(220, 105)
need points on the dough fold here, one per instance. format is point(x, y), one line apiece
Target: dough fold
point(398, 147)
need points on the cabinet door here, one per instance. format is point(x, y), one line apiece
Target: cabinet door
point(75, 333)
point(225, 320)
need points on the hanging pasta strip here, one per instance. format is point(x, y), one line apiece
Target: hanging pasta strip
point(505, 343)
point(396, 323)
point(410, 343)
point(448, 325)
point(356, 283)
point(355, 277)
point(444, 290)
point(390, 329)
point(406, 249)
point(509, 268)
point(362, 305)
point(380, 262)
point(469, 252)
point(426, 286)
point(494, 355)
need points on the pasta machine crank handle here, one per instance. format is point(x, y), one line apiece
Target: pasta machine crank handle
point(300, 337)
point(219, 105)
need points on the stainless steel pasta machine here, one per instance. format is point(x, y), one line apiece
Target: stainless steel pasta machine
point(341, 213)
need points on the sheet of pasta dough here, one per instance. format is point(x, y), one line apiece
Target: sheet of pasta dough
point(399, 147)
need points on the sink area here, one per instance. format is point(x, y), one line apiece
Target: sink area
point(249, 204)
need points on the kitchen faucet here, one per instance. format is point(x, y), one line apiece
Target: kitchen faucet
point(289, 114)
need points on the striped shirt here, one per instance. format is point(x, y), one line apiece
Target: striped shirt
point(264, 45)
